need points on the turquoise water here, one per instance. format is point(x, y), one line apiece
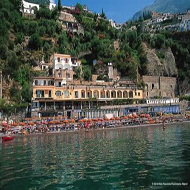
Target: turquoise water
point(107, 159)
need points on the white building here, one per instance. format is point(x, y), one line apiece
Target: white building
point(29, 7)
point(52, 4)
point(163, 101)
point(185, 25)
point(62, 61)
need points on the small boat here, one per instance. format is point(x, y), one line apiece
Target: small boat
point(7, 138)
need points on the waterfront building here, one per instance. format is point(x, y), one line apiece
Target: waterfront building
point(157, 86)
point(60, 94)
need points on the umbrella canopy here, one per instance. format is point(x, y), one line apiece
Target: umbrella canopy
point(117, 118)
point(89, 120)
point(112, 118)
point(30, 123)
point(100, 119)
point(65, 121)
point(95, 119)
point(147, 115)
point(14, 124)
point(45, 122)
point(81, 120)
point(22, 124)
point(135, 116)
point(142, 115)
point(38, 123)
point(85, 120)
point(106, 119)
point(72, 120)
point(125, 117)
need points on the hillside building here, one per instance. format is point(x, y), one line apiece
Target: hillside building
point(60, 94)
point(28, 8)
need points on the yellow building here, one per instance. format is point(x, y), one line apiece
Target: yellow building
point(60, 95)
point(51, 98)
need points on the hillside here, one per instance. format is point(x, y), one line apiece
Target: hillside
point(24, 41)
point(165, 6)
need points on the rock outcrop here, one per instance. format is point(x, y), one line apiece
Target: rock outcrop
point(160, 62)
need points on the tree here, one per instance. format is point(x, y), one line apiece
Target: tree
point(59, 5)
point(35, 42)
point(87, 74)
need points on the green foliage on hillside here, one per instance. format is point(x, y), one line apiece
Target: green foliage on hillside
point(46, 36)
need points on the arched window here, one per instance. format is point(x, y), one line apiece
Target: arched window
point(96, 94)
point(113, 94)
point(107, 94)
point(119, 94)
point(102, 94)
point(131, 94)
point(125, 94)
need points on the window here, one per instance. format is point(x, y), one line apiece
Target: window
point(66, 60)
point(68, 76)
point(58, 93)
point(59, 74)
point(38, 93)
point(49, 93)
point(66, 94)
point(44, 82)
point(139, 93)
point(58, 59)
point(83, 94)
point(36, 82)
point(135, 93)
point(42, 94)
point(59, 84)
point(152, 86)
point(76, 94)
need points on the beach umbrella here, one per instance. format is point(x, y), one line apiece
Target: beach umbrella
point(106, 119)
point(22, 124)
point(142, 115)
point(112, 118)
point(135, 116)
point(30, 123)
point(147, 115)
point(125, 117)
point(117, 118)
point(81, 120)
point(72, 121)
point(45, 122)
point(14, 124)
point(89, 120)
point(65, 121)
point(38, 123)
point(4, 123)
point(95, 119)
point(85, 120)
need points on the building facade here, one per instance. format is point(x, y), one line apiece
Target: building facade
point(60, 94)
point(155, 86)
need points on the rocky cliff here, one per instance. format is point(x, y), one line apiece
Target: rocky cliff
point(160, 62)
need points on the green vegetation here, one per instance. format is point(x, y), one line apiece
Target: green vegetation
point(24, 41)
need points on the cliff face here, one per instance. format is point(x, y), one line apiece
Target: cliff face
point(165, 6)
point(160, 62)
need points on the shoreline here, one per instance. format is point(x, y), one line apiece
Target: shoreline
point(101, 129)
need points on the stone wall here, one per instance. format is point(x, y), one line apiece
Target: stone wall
point(156, 86)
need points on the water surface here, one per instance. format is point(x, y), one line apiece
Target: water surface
point(106, 159)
